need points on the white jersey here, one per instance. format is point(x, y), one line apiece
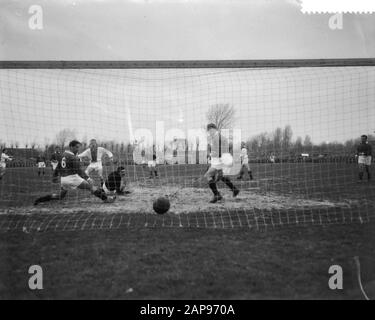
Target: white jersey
point(244, 157)
point(4, 157)
point(100, 153)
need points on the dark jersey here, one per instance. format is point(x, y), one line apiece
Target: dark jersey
point(364, 149)
point(56, 156)
point(40, 159)
point(113, 181)
point(69, 165)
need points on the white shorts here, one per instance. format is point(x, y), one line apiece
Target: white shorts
point(151, 164)
point(366, 160)
point(216, 163)
point(41, 164)
point(2, 165)
point(94, 166)
point(54, 165)
point(71, 182)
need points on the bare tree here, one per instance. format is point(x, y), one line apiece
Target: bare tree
point(307, 142)
point(287, 136)
point(64, 136)
point(298, 144)
point(277, 139)
point(222, 115)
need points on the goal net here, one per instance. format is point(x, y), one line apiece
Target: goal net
point(300, 123)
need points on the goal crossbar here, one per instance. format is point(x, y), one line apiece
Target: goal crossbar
point(181, 64)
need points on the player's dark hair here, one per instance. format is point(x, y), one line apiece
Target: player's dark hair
point(363, 136)
point(73, 143)
point(4, 149)
point(119, 169)
point(211, 126)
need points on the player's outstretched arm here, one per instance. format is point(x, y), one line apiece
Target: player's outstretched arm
point(84, 154)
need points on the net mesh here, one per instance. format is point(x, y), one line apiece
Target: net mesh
point(300, 127)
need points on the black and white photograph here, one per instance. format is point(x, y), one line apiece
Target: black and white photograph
point(187, 150)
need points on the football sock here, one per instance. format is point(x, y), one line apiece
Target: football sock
point(213, 188)
point(360, 175)
point(46, 198)
point(251, 175)
point(228, 183)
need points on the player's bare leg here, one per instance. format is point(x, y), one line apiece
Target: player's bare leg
point(368, 173)
point(240, 176)
point(249, 172)
point(361, 168)
point(151, 174)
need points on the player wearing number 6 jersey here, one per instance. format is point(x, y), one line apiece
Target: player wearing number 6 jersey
point(95, 154)
point(72, 176)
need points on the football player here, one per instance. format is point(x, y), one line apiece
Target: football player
point(115, 183)
point(4, 157)
point(152, 167)
point(244, 163)
point(72, 177)
point(364, 155)
point(216, 170)
point(41, 164)
point(95, 154)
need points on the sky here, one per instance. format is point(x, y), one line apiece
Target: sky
point(328, 104)
point(179, 29)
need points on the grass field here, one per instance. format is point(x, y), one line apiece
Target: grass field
point(276, 241)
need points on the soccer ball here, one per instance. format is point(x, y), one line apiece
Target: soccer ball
point(161, 205)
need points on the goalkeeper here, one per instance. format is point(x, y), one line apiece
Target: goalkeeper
point(115, 182)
